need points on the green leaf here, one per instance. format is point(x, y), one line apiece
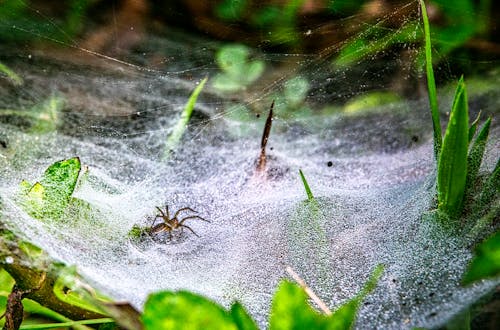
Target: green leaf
point(237, 69)
point(291, 311)
point(252, 71)
point(226, 83)
point(241, 318)
point(372, 282)
point(310, 196)
point(370, 100)
point(184, 310)
point(452, 166)
point(231, 57)
point(473, 127)
point(476, 154)
point(345, 315)
point(486, 262)
point(179, 129)
point(51, 196)
point(59, 181)
point(431, 84)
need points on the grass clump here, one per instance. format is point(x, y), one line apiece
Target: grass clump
point(463, 194)
point(458, 161)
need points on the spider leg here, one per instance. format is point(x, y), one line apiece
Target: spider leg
point(183, 209)
point(190, 230)
point(168, 214)
point(193, 217)
point(162, 214)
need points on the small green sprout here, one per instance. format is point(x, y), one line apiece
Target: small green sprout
point(238, 71)
point(310, 196)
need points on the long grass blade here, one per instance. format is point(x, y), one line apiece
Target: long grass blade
point(476, 154)
point(179, 129)
point(452, 165)
point(431, 83)
point(310, 196)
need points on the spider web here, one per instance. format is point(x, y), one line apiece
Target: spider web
point(372, 173)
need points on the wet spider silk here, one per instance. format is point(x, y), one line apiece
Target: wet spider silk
point(372, 174)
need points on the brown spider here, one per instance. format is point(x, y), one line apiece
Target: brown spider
point(171, 224)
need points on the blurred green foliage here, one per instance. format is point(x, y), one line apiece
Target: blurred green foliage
point(238, 70)
point(463, 20)
point(291, 100)
point(21, 22)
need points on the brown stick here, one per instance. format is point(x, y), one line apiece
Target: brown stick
point(309, 291)
point(261, 165)
point(36, 282)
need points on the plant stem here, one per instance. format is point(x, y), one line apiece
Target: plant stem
point(66, 324)
point(431, 83)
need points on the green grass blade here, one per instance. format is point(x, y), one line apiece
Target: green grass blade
point(431, 83)
point(344, 317)
point(452, 165)
point(476, 154)
point(310, 196)
point(372, 281)
point(179, 129)
point(473, 126)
